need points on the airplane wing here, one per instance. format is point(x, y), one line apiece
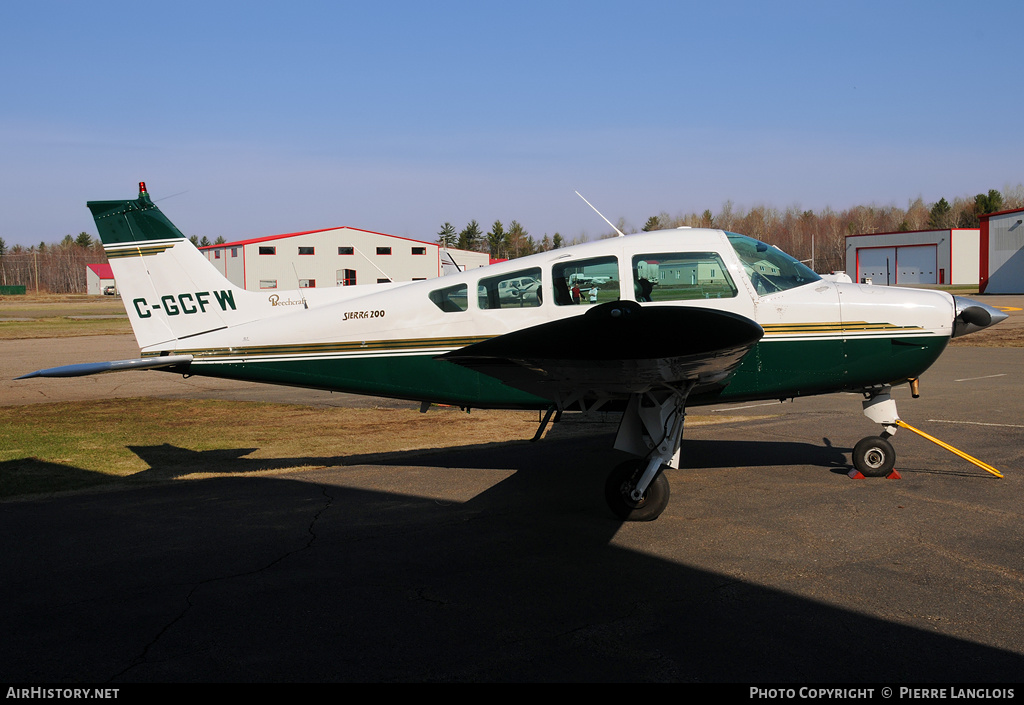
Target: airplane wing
point(616, 349)
point(95, 368)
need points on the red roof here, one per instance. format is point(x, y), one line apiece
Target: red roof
point(267, 238)
point(1012, 210)
point(103, 271)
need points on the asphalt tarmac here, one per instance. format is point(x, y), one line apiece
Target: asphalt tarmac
point(500, 562)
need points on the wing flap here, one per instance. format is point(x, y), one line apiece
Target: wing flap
point(617, 348)
point(95, 368)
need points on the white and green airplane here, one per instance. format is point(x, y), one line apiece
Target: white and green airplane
point(667, 319)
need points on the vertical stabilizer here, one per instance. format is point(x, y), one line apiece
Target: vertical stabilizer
point(137, 221)
point(170, 290)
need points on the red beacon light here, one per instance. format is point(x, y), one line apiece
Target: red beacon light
point(142, 187)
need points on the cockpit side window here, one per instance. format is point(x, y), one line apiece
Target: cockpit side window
point(770, 270)
point(586, 281)
point(519, 289)
point(681, 276)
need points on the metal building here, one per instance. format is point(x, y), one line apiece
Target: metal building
point(1002, 252)
point(933, 257)
point(99, 279)
point(334, 257)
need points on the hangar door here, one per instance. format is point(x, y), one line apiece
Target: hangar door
point(877, 264)
point(916, 265)
point(909, 264)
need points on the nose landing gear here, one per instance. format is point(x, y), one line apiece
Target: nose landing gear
point(874, 456)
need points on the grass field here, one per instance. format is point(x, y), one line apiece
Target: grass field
point(67, 446)
point(52, 316)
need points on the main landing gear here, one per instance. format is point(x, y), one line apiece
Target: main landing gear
point(874, 456)
point(620, 491)
point(652, 428)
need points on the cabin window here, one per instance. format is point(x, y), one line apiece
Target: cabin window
point(268, 283)
point(586, 281)
point(307, 283)
point(234, 252)
point(383, 250)
point(216, 254)
point(515, 290)
point(346, 251)
point(268, 250)
point(419, 250)
point(383, 280)
point(681, 276)
point(451, 299)
point(306, 250)
point(346, 277)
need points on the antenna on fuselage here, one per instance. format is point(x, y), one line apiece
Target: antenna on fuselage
point(298, 283)
point(621, 234)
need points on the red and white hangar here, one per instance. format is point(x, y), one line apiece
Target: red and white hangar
point(990, 257)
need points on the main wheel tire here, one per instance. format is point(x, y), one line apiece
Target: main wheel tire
point(619, 487)
point(874, 456)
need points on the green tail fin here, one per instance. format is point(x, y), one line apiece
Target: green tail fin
point(132, 221)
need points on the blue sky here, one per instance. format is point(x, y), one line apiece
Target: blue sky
point(252, 119)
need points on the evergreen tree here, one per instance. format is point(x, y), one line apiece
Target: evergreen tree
point(990, 203)
point(84, 240)
point(470, 236)
point(653, 223)
point(938, 217)
point(447, 237)
point(496, 241)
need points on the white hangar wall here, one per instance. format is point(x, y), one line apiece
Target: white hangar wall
point(927, 257)
point(333, 257)
point(1002, 253)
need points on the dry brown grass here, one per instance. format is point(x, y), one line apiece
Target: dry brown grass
point(49, 447)
point(56, 316)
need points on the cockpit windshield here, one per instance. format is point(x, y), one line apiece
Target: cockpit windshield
point(770, 270)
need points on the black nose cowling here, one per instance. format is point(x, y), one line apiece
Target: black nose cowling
point(972, 316)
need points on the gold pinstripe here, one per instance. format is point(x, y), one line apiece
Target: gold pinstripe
point(137, 250)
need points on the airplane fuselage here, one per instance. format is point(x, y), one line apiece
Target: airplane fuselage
point(819, 336)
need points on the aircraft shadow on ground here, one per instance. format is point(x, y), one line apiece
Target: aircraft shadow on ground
point(269, 579)
point(168, 461)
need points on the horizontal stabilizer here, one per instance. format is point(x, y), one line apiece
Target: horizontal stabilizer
point(95, 368)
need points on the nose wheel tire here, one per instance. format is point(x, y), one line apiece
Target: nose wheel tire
point(874, 457)
point(619, 487)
